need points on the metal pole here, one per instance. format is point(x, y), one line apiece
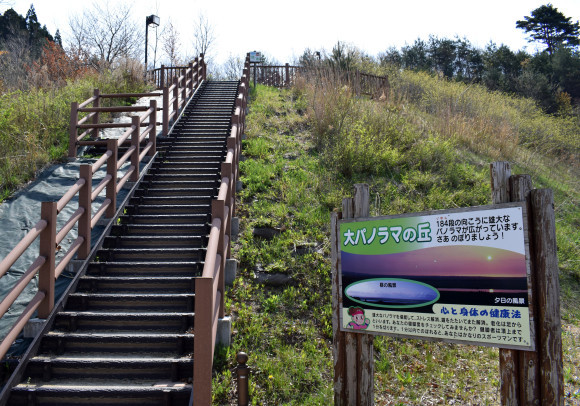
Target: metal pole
point(146, 45)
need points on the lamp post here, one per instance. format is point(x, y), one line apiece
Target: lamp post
point(149, 20)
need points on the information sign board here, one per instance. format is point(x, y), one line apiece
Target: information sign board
point(456, 275)
point(255, 57)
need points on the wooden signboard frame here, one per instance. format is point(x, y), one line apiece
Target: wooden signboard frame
point(527, 377)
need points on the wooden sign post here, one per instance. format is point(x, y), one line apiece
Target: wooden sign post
point(354, 362)
point(534, 377)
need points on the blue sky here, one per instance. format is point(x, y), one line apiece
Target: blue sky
point(283, 29)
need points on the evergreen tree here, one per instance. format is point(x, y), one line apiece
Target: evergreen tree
point(550, 26)
point(58, 38)
point(32, 24)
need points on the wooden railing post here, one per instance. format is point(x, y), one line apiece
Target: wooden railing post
point(183, 87)
point(162, 83)
point(175, 97)
point(190, 76)
point(203, 67)
point(46, 274)
point(72, 139)
point(165, 124)
point(135, 143)
point(96, 117)
point(112, 145)
point(153, 123)
point(287, 83)
point(202, 345)
point(85, 201)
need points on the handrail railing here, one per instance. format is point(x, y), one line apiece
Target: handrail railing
point(184, 81)
point(45, 265)
point(210, 286)
point(163, 77)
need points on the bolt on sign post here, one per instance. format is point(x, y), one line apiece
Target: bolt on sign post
point(464, 276)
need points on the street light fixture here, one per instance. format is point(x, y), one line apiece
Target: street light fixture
point(149, 20)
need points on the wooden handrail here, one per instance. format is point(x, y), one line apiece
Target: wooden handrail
point(21, 322)
point(210, 286)
point(66, 198)
point(22, 246)
point(45, 264)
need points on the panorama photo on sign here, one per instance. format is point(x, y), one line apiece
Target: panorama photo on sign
point(456, 275)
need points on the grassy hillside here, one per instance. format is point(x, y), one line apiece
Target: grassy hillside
point(34, 124)
point(427, 146)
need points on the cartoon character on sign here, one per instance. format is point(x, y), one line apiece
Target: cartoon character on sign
point(359, 322)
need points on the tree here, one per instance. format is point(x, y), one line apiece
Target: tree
point(58, 38)
point(343, 56)
point(105, 35)
point(232, 68)
point(203, 36)
point(170, 43)
point(416, 56)
point(550, 26)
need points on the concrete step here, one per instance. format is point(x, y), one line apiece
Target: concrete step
point(151, 254)
point(101, 393)
point(43, 369)
point(99, 322)
point(136, 284)
point(131, 302)
point(170, 241)
point(163, 229)
point(145, 269)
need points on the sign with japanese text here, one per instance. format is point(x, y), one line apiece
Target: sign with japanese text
point(455, 275)
point(256, 57)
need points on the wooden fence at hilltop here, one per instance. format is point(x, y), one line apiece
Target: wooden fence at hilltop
point(286, 76)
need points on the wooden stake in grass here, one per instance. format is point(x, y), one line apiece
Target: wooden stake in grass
point(534, 378)
point(353, 352)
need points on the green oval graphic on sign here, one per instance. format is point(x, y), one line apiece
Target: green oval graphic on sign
point(392, 293)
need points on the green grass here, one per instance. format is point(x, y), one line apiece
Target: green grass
point(34, 125)
point(300, 162)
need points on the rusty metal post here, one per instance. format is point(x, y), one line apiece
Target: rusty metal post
point(112, 145)
point(72, 139)
point(242, 372)
point(96, 104)
point(46, 274)
point(136, 125)
point(85, 201)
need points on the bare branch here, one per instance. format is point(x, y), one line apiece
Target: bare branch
point(170, 43)
point(105, 34)
point(203, 36)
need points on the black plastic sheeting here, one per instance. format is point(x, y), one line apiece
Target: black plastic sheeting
point(19, 214)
